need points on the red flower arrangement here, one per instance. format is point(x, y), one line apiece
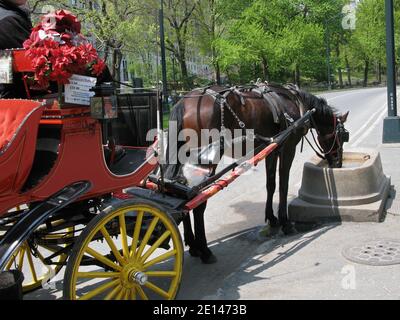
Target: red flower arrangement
point(58, 50)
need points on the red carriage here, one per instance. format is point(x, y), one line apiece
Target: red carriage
point(67, 198)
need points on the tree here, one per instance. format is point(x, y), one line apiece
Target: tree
point(104, 21)
point(277, 37)
point(179, 31)
point(369, 39)
point(208, 17)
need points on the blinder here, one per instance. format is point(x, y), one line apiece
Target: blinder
point(343, 134)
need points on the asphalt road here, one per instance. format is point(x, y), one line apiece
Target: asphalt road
point(235, 216)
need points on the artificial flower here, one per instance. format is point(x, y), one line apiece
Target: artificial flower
point(58, 50)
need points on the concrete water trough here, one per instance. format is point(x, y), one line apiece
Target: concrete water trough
point(358, 192)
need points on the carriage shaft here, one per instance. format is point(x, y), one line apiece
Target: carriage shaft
point(224, 183)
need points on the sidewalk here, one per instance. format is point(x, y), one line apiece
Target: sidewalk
point(311, 265)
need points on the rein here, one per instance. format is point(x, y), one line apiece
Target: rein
point(322, 154)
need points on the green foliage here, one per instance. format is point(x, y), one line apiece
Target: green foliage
point(241, 40)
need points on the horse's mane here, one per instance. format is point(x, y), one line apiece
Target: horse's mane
point(311, 101)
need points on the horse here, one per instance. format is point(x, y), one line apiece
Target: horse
point(268, 109)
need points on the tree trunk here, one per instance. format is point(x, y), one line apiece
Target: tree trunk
point(181, 57)
point(348, 71)
point(106, 53)
point(366, 69)
point(215, 63)
point(217, 73)
point(340, 77)
point(379, 72)
point(257, 71)
point(340, 73)
point(265, 68)
point(185, 74)
point(116, 64)
point(297, 76)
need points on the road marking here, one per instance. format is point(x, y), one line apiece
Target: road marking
point(371, 128)
point(353, 92)
point(340, 96)
point(378, 117)
point(371, 119)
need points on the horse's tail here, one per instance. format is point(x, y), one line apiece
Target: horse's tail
point(173, 166)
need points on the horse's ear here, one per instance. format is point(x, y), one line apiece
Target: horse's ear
point(343, 117)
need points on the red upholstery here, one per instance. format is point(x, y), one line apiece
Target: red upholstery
point(13, 114)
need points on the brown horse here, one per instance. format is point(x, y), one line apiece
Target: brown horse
point(268, 110)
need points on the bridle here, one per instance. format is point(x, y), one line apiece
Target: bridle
point(339, 135)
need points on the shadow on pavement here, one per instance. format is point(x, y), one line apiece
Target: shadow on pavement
point(241, 257)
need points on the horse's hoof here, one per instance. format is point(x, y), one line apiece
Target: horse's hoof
point(208, 259)
point(288, 229)
point(195, 253)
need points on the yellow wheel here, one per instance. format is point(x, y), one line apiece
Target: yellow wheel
point(130, 251)
point(31, 261)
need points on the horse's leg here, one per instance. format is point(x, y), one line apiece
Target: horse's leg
point(286, 158)
point(189, 236)
point(270, 165)
point(206, 255)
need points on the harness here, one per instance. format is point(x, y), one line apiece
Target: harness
point(269, 94)
point(222, 100)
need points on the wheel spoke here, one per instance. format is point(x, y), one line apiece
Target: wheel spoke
point(51, 249)
point(99, 290)
point(136, 233)
point(155, 246)
point(157, 290)
point(133, 293)
point(124, 237)
point(120, 294)
point(161, 274)
point(9, 265)
point(140, 253)
point(161, 258)
point(31, 265)
point(147, 236)
point(103, 259)
point(141, 293)
point(127, 294)
point(94, 275)
point(112, 246)
point(21, 258)
point(113, 293)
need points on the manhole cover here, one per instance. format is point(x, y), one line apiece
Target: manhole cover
point(375, 253)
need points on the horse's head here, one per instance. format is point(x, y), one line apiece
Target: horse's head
point(329, 125)
point(331, 137)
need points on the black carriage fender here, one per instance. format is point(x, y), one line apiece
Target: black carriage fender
point(23, 229)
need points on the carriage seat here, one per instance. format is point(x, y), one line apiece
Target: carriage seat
point(119, 154)
point(19, 123)
point(13, 115)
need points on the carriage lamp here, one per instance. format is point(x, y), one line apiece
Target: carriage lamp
point(104, 104)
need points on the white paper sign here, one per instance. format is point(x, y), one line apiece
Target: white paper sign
point(78, 90)
point(6, 70)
